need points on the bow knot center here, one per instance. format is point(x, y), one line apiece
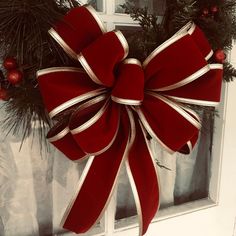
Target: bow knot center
point(129, 87)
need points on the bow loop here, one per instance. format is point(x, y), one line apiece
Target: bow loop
point(173, 65)
point(95, 124)
point(163, 118)
point(79, 27)
point(205, 91)
point(201, 41)
point(129, 87)
point(61, 84)
point(101, 57)
point(62, 139)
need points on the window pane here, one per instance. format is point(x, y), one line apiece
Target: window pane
point(125, 200)
point(36, 185)
point(154, 6)
point(97, 4)
point(128, 31)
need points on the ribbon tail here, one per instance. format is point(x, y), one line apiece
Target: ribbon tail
point(97, 184)
point(143, 177)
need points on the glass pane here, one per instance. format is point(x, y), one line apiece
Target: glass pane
point(125, 200)
point(128, 31)
point(154, 6)
point(36, 185)
point(97, 4)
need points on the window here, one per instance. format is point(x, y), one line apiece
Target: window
point(36, 188)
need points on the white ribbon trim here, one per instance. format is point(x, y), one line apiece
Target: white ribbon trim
point(96, 17)
point(191, 112)
point(153, 160)
point(150, 131)
point(109, 145)
point(190, 146)
point(185, 81)
point(74, 101)
point(194, 101)
point(209, 55)
point(191, 31)
point(190, 79)
point(162, 47)
point(58, 69)
point(95, 118)
point(192, 28)
point(129, 172)
point(187, 29)
point(136, 197)
point(178, 109)
point(82, 179)
point(133, 61)
point(124, 101)
point(59, 135)
point(88, 69)
point(114, 183)
point(130, 176)
point(216, 66)
point(62, 43)
point(123, 42)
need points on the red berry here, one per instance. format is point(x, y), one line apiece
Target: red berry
point(15, 76)
point(220, 56)
point(3, 94)
point(10, 63)
point(205, 11)
point(214, 9)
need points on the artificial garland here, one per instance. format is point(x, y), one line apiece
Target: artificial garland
point(99, 93)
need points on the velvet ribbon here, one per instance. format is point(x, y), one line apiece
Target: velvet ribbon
point(114, 103)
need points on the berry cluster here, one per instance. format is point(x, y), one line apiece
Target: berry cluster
point(210, 11)
point(219, 56)
point(14, 77)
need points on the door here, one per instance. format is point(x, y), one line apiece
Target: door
point(39, 184)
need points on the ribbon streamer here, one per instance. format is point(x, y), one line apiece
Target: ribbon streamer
point(113, 103)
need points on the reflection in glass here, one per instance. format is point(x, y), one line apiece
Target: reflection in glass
point(154, 6)
point(125, 200)
point(97, 4)
point(128, 31)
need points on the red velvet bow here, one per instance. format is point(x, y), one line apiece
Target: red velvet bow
point(115, 103)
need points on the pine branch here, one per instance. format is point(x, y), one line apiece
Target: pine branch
point(151, 34)
point(24, 26)
point(229, 72)
point(178, 13)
